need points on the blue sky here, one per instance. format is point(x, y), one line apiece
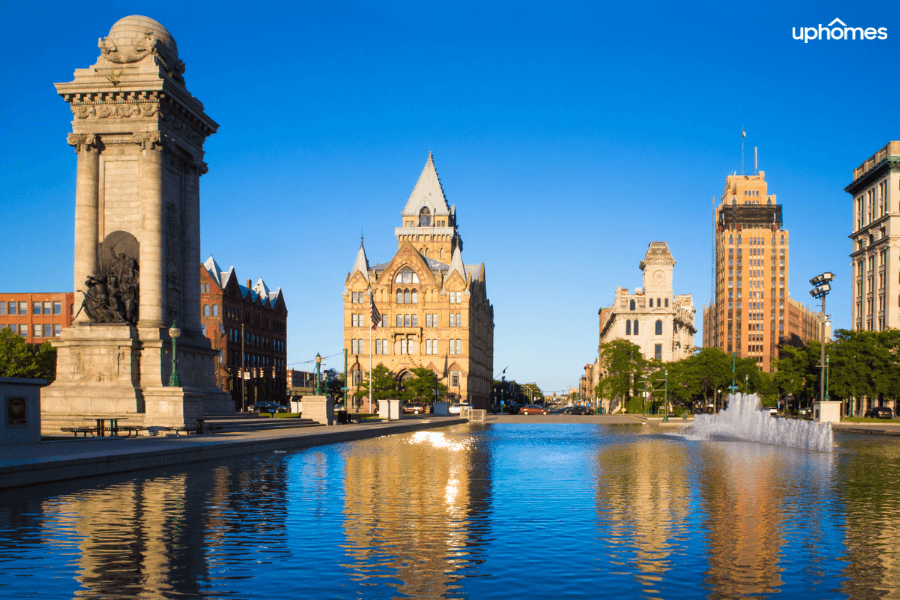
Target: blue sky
point(568, 134)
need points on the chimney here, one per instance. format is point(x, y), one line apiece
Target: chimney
point(249, 286)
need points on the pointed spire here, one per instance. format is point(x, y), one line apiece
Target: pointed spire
point(428, 192)
point(362, 263)
point(456, 264)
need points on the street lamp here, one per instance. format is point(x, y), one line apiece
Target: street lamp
point(318, 374)
point(666, 400)
point(821, 286)
point(174, 333)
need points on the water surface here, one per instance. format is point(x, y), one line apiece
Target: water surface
point(474, 511)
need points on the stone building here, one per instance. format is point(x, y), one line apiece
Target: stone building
point(875, 256)
point(37, 317)
point(659, 321)
point(750, 313)
point(247, 325)
point(434, 309)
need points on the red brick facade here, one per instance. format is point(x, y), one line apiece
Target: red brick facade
point(37, 317)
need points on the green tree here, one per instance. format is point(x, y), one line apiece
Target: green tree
point(384, 385)
point(714, 371)
point(20, 359)
point(334, 382)
point(421, 387)
point(622, 364)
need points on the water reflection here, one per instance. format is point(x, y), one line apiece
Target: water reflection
point(414, 516)
point(643, 501)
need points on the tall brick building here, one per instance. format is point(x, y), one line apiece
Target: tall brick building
point(435, 309)
point(751, 312)
point(37, 317)
point(247, 324)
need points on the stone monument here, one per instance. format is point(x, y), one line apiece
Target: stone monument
point(138, 134)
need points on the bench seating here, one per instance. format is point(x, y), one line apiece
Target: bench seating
point(82, 430)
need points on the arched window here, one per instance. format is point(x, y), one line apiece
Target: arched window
point(734, 200)
point(357, 377)
point(628, 327)
point(424, 217)
point(632, 305)
point(399, 296)
point(406, 298)
point(730, 240)
point(442, 254)
point(782, 239)
point(406, 320)
point(399, 320)
point(415, 297)
point(740, 240)
point(635, 327)
point(206, 310)
point(216, 310)
point(659, 327)
point(667, 303)
point(406, 275)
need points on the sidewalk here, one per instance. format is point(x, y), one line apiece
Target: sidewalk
point(59, 460)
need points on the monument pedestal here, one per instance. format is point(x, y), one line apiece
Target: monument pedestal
point(173, 406)
point(319, 408)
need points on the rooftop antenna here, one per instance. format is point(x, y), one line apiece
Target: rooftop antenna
point(743, 135)
point(755, 162)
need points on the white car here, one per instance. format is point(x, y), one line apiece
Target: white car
point(456, 408)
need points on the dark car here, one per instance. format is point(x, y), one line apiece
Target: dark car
point(880, 412)
point(269, 407)
point(534, 409)
point(414, 409)
point(577, 410)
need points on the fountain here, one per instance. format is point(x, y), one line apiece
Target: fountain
point(744, 420)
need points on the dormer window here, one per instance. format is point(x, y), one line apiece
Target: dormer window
point(406, 275)
point(424, 217)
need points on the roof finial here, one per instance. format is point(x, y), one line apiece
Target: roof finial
point(430, 156)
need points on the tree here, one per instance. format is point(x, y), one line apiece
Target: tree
point(384, 385)
point(622, 362)
point(421, 387)
point(20, 359)
point(714, 368)
point(335, 382)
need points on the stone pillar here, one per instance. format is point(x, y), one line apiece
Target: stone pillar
point(87, 200)
point(153, 249)
point(192, 245)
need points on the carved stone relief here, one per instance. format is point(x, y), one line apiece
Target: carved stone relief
point(113, 293)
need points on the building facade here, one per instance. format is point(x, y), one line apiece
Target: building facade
point(750, 313)
point(37, 317)
point(659, 321)
point(247, 325)
point(875, 256)
point(434, 309)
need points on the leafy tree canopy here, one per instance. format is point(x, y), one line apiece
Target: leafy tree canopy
point(421, 387)
point(20, 359)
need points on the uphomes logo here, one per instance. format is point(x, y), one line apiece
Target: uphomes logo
point(838, 30)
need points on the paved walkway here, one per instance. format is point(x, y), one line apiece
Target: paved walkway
point(86, 457)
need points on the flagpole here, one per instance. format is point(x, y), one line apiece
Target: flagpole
point(743, 135)
point(371, 327)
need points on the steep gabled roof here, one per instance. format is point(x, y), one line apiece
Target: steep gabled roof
point(428, 192)
point(361, 264)
point(215, 271)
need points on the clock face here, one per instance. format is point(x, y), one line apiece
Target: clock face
point(659, 276)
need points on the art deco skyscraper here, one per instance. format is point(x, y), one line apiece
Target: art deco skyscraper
point(750, 315)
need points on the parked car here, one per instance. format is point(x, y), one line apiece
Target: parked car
point(805, 411)
point(456, 407)
point(769, 409)
point(414, 408)
point(269, 407)
point(578, 410)
point(534, 409)
point(880, 412)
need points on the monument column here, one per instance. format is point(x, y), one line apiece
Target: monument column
point(193, 171)
point(87, 200)
point(153, 250)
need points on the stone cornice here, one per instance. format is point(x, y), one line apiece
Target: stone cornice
point(888, 165)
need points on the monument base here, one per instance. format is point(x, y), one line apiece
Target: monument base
point(319, 409)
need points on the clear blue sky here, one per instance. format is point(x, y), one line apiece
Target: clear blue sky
point(568, 134)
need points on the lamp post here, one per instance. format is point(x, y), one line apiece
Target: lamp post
point(666, 398)
point(746, 384)
point(821, 286)
point(318, 374)
point(174, 333)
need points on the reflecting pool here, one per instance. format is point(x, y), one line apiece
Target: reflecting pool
point(474, 511)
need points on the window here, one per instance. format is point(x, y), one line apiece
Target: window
point(353, 321)
point(406, 275)
point(399, 296)
point(459, 346)
point(657, 351)
point(628, 327)
point(57, 330)
point(47, 332)
point(36, 330)
point(399, 320)
point(216, 310)
point(414, 320)
point(406, 320)
point(354, 349)
point(667, 303)
point(206, 310)
point(632, 305)
point(427, 320)
point(452, 320)
point(635, 327)
point(658, 327)
point(403, 346)
point(2, 308)
point(46, 307)
point(377, 346)
point(23, 329)
point(424, 217)
point(57, 308)
point(454, 378)
point(357, 377)
point(415, 297)
point(12, 308)
point(36, 308)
